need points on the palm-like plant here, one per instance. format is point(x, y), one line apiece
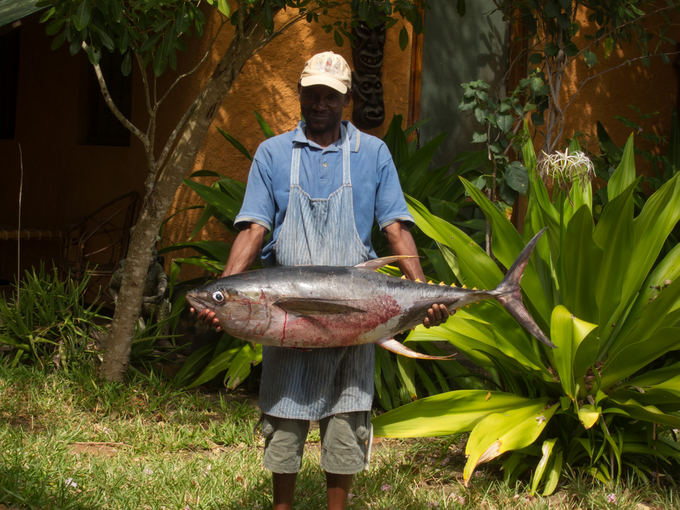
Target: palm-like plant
point(608, 397)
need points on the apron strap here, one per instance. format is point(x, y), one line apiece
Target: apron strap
point(297, 152)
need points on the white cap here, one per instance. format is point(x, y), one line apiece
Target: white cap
point(328, 69)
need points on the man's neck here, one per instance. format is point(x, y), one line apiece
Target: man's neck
point(324, 138)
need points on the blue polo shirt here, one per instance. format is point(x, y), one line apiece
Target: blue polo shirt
point(376, 192)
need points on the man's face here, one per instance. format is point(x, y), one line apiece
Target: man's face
point(321, 107)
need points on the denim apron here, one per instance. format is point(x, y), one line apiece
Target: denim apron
point(315, 383)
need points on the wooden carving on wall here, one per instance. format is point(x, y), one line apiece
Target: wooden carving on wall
point(368, 45)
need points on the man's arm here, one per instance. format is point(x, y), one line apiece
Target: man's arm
point(401, 243)
point(244, 251)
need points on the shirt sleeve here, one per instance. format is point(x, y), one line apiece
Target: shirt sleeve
point(258, 203)
point(390, 205)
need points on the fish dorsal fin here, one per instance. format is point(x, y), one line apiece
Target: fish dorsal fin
point(374, 264)
point(309, 306)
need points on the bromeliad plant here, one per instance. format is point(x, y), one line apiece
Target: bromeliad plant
point(607, 399)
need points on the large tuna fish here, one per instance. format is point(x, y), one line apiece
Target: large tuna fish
point(323, 306)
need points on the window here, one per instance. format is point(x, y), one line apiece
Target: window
point(9, 74)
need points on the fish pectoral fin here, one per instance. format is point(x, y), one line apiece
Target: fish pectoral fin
point(374, 264)
point(307, 306)
point(398, 348)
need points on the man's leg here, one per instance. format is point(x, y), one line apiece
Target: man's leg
point(345, 444)
point(337, 490)
point(284, 489)
point(284, 444)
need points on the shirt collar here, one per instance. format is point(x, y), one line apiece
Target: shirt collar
point(354, 136)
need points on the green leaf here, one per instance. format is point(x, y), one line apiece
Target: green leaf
point(509, 430)
point(647, 413)
point(223, 7)
point(517, 177)
point(567, 332)
point(227, 206)
point(624, 175)
point(590, 58)
point(81, 16)
point(444, 414)
point(475, 267)
point(217, 364)
point(337, 36)
point(579, 266)
point(665, 272)
point(237, 145)
point(126, 64)
point(660, 386)
point(105, 38)
point(553, 472)
point(507, 244)
point(47, 14)
point(268, 132)
point(614, 236)
point(239, 367)
point(504, 123)
point(546, 454)
point(216, 250)
point(54, 26)
point(403, 38)
point(479, 138)
point(588, 415)
point(194, 362)
point(268, 17)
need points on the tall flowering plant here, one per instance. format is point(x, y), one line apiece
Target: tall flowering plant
point(608, 397)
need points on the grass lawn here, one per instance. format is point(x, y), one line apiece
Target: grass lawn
point(70, 441)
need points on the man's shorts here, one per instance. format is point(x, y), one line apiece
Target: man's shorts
point(345, 443)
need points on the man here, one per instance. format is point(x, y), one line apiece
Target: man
point(318, 189)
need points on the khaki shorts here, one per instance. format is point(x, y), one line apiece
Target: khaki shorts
point(345, 443)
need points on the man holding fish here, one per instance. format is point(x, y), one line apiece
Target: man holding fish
point(318, 189)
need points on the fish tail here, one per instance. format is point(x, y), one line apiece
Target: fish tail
point(509, 293)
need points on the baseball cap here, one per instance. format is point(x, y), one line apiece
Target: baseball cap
point(328, 69)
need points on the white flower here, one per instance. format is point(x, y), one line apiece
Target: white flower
point(564, 169)
point(70, 483)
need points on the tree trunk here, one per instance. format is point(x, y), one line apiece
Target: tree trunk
point(156, 203)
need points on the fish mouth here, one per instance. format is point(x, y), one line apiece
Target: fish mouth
point(196, 301)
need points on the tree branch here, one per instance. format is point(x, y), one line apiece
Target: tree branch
point(112, 106)
point(172, 139)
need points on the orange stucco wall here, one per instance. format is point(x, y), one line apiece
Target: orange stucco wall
point(616, 83)
point(268, 85)
point(64, 180)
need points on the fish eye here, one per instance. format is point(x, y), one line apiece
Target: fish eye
point(217, 296)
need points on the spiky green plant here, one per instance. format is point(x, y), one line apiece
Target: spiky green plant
point(46, 321)
point(607, 399)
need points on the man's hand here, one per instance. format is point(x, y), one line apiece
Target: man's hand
point(401, 243)
point(208, 318)
point(436, 315)
point(244, 250)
